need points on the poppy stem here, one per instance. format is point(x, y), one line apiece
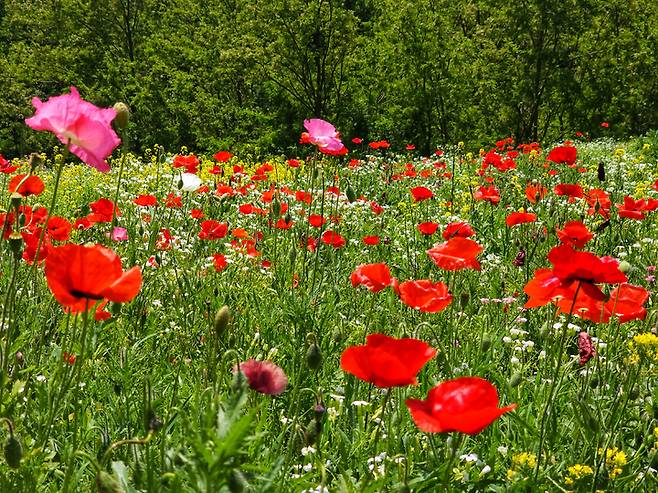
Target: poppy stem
point(455, 442)
point(555, 383)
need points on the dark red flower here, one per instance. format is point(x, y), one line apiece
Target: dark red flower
point(599, 201)
point(79, 275)
point(586, 349)
point(574, 234)
point(424, 295)
point(466, 404)
point(374, 277)
point(316, 220)
point(219, 262)
point(264, 376)
point(455, 254)
point(386, 361)
point(520, 218)
point(371, 240)
point(102, 211)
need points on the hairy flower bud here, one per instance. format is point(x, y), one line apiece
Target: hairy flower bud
point(13, 452)
point(123, 115)
point(107, 483)
point(222, 319)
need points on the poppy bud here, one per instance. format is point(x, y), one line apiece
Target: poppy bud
point(519, 260)
point(634, 394)
point(16, 199)
point(107, 483)
point(180, 183)
point(314, 357)
point(351, 196)
point(276, 208)
point(16, 244)
point(236, 482)
point(485, 343)
point(20, 359)
point(13, 451)
point(292, 256)
point(594, 382)
point(123, 115)
point(463, 299)
point(625, 267)
point(515, 380)
point(222, 319)
point(600, 172)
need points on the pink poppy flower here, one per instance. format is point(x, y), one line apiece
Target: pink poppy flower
point(84, 127)
point(323, 134)
point(264, 376)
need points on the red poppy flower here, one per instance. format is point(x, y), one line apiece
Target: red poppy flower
point(458, 228)
point(488, 194)
point(455, 254)
point(421, 193)
point(26, 185)
point(223, 156)
point(316, 220)
point(59, 229)
point(574, 234)
point(173, 201)
point(371, 240)
point(5, 166)
point(376, 208)
point(466, 404)
point(79, 275)
point(563, 155)
point(632, 209)
point(571, 190)
point(374, 277)
point(386, 361)
point(190, 163)
point(535, 192)
point(213, 230)
point(428, 228)
point(102, 211)
point(520, 218)
point(264, 376)
point(293, 163)
point(424, 295)
point(357, 140)
point(219, 262)
point(626, 302)
point(599, 201)
point(146, 200)
point(573, 272)
point(332, 238)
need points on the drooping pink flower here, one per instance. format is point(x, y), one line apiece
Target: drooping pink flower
point(264, 376)
point(323, 134)
point(84, 127)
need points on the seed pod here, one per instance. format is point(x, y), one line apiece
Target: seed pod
point(16, 244)
point(515, 380)
point(222, 319)
point(13, 452)
point(314, 357)
point(107, 483)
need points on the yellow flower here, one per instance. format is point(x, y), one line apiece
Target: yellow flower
point(646, 147)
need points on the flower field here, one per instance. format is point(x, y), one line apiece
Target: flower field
point(355, 317)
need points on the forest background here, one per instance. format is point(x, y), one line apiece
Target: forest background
point(237, 75)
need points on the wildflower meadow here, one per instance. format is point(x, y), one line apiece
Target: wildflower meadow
point(352, 317)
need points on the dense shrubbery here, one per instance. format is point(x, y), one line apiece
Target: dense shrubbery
point(225, 73)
